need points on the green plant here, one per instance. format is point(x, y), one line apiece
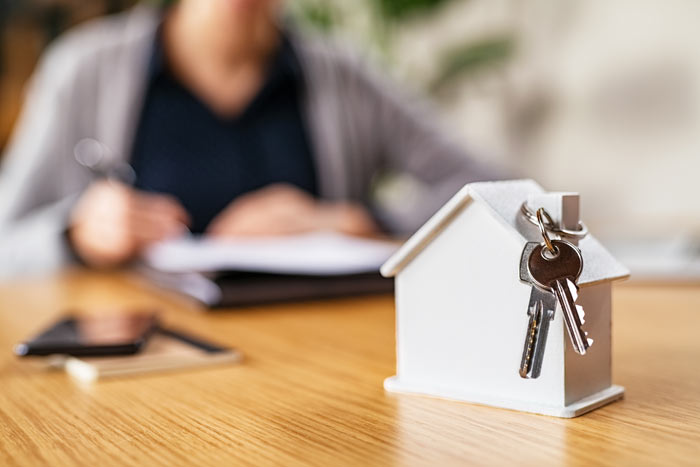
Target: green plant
point(470, 58)
point(399, 9)
point(386, 17)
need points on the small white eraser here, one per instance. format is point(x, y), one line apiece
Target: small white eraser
point(563, 208)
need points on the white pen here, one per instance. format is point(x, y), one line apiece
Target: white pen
point(95, 156)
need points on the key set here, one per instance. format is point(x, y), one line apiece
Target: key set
point(553, 268)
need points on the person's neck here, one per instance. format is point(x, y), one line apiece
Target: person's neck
point(225, 69)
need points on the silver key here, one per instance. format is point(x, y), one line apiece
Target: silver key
point(540, 312)
point(558, 273)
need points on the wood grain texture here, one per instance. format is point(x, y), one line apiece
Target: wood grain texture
point(310, 391)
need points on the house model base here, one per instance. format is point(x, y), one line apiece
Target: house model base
point(572, 410)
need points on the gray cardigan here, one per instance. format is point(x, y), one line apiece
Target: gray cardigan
point(90, 83)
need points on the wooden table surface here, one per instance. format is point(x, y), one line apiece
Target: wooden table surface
point(310, 391)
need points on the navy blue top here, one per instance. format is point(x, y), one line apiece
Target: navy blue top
point(184, 149)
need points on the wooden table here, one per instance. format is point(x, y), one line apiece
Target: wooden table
point(310, 391)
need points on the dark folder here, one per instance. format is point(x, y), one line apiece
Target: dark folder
point(248, 288)
point(239, 288)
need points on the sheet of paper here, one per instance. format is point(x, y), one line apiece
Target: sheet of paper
point(311, 254)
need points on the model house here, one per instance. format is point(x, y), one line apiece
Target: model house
point(462, 307)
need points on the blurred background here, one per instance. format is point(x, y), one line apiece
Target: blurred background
point(599, 96)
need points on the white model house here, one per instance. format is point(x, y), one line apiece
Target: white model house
point(462, 308)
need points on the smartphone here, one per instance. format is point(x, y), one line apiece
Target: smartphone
point(122, 334)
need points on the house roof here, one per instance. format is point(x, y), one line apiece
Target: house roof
point(504, 200)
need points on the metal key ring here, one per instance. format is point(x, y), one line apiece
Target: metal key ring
point(547, 241)
point(531, 216)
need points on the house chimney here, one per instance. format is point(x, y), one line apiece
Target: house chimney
point(562, 207)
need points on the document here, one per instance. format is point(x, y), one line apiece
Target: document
point(313, 254)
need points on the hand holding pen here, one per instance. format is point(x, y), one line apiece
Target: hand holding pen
point(112, 221)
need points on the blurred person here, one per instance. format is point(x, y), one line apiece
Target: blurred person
point(234, 124)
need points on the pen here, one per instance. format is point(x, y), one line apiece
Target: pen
point(206, 346)
point(96, 157)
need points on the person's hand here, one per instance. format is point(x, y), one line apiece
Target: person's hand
point(283, 210)
point(112, 223)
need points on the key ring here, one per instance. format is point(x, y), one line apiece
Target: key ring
point(549, 225)
point(547, 241)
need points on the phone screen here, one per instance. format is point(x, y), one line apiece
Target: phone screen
point(92, 335)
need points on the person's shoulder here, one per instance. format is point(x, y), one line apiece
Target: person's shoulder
point(93, 39)
point(334, 65)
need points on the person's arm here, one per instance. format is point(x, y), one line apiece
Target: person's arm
point(35, 197)
point(50, 212)
point(282, 209)
point(408, 140)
